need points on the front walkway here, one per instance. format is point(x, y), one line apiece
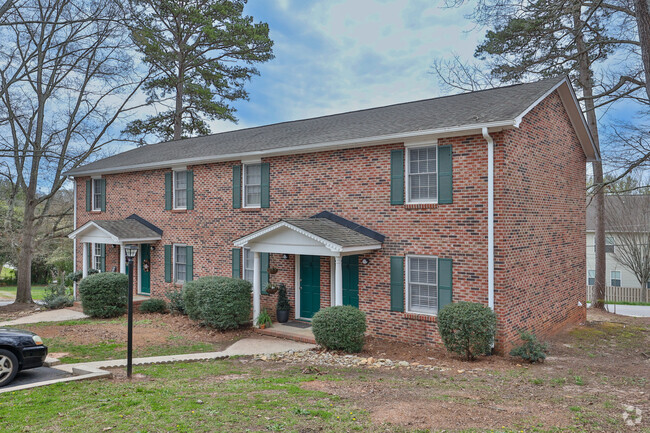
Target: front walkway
point(61, 315)
point(289, 332)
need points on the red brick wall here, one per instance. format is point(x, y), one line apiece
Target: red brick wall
point(540, 225)
point(355, 184)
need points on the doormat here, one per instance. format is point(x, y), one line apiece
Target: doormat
point(301, 325)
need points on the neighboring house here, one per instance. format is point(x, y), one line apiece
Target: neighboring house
point(398, 210)
point(617, 274)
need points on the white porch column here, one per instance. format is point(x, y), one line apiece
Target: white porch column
point(257, 290)
point(84, 258)
point(122, 259)
point(338, 273)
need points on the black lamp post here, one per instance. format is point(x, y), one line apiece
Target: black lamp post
point(130, 251)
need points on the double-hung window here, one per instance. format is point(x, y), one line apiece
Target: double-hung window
point(97, 194)
point(252, 185)
point(422, 284)
point(97, 257)
point(180, 263)
point(615, 279)
point(422, 174)
point(180, 190)
point(591, 277)
point(247, 269)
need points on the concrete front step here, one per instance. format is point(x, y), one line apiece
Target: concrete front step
point(286, 335)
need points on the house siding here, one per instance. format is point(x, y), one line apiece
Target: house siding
point(355, 184)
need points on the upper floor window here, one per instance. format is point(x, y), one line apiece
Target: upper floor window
point(422, 284)
point(421, 174)
point(252, 185)
point(615, 279)
point(180, 190)
point(591, 277)
point(609, 244)
point(97, 194)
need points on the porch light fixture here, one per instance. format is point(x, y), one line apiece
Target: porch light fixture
point(285, 256)
point(365, 261)
point(130, 251)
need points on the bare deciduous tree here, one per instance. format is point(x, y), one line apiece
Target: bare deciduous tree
point(66, 78)
point(628, 222)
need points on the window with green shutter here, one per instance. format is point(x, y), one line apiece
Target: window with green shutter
point(264, 271)
point(189, 263)
point(89, 195)
point(168, 194)
point(102, 252)
point(190, 190)
point(236, 186)
point(445, 182)
point(236, 263)
point(265, 200)
point(397, 176)
point(445, 273)
point(428, 284)
point(397, 283)
point(168, 263)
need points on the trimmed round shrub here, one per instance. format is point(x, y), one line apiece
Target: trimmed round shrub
point(467, 328)
point(532, 350)
point(219, 302)
point(153, 306)
point(176, 304)
point(340, 328)
point(104, 294)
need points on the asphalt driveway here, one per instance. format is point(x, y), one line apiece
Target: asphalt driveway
point(35, 375)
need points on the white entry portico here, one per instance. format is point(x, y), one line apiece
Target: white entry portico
point(324, 234)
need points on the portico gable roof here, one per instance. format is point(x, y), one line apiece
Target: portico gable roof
point(117, 231)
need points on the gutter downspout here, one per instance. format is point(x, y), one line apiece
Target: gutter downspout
point(74, 243)
point(490, 143)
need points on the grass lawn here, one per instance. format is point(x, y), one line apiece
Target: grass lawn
point(581, 388)
point(9, 292)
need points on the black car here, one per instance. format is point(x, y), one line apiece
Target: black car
point(19, 350)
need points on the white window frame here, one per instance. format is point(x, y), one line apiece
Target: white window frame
point(94, 194)
point(589, 277)
point(174, 174)
point(611, 278)
point(97, 257)
point(407, 174)
point(245, 203)
point(610, 242)
point(174, 272)
point(244, 268)
point(408, 284)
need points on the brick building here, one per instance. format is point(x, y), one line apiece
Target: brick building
point(398, 210)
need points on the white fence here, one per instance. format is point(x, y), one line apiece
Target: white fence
point(620, 294)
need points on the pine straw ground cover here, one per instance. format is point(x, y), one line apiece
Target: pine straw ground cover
point(595, 373)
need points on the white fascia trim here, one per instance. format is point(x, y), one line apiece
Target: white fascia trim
point(140, 240)
point(317, 147)
point(519, 118)
point(357, 250)
point(179, 167)
point(90, 224)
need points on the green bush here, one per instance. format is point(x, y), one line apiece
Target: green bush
point(467, 328)
point(176, 304)
point(153, 306)
point(57, 297)
point(340, 328)
point(532, 350)
point(219, 302)
point(104, 294)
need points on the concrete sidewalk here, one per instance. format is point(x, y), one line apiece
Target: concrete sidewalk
point(244, 347)
point(61, 315)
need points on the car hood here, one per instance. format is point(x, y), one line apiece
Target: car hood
point(13, 332)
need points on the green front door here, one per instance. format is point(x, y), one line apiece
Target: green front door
point(145, 269)
point(351, 280)
point(309, 286)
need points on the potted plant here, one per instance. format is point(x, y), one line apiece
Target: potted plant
point(264, 319)
point(283, 307)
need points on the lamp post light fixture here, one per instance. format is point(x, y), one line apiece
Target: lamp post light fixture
point(130, 251)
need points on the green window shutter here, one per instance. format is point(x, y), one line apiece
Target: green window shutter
point(168, 263)
point(397, 284)
point(89, 195)
point(168, 191)
point(445, 183)
point(190, 189)
point(103, 257)
point(397, 176)
point(236, 186)
point(266, 185)
point(264, 271)
point(444, 282)
point(103, 201)
point(236, 263)
point(89, 255)
point(189, 267)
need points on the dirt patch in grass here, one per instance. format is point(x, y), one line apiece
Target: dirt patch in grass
point(15, 311)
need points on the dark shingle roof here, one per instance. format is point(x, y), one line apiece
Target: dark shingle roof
point(487, 106)
point(127, 229)
point(332, 232)
point(622, 213)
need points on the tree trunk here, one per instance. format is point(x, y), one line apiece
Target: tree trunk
point(25, 255)
point(642, 12)
point(586, 82)
point(178, 110)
